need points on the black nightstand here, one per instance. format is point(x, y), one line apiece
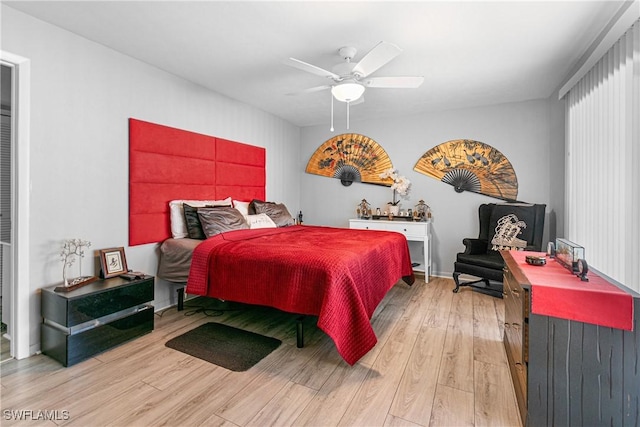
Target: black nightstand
point(96, 317)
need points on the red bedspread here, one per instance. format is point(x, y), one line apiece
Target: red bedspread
point(339, 275)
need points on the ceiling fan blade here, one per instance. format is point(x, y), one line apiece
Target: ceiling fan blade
point(393, 82)
point(382, 53)
point(301, 65)
point(310, 90)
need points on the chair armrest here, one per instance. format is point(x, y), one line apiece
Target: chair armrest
point(475, 246)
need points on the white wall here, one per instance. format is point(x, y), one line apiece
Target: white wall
point(82, 96)
point(526, 133)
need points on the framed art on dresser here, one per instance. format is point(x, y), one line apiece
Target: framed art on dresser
point(113, 262)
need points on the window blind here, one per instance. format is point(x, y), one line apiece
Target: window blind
point(602, 206)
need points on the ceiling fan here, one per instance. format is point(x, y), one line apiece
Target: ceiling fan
point(349, 80)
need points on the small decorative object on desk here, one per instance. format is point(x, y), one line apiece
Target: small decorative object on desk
point(551, 250)
point(583, 269)
point(364, 210)
point(568, 254)
point(113, 262)
point(133, 275)
point(422, 211)
point(300, 218)
point(400, 186)
point(535, 260)
point(72, 248)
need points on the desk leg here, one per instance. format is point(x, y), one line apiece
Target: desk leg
point(427, 258)
point(300, 332)
point(180, 292)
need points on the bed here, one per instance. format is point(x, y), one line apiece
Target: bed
point(339, 275)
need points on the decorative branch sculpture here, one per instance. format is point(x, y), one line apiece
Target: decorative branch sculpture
point(72, 248)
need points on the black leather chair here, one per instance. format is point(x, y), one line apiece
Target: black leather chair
point(502, 226)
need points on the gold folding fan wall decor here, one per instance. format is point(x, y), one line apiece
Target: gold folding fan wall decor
point(470, 165)
point(350, 157)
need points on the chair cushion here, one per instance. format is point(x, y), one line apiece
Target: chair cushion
point(511, 226)
point(491, 259)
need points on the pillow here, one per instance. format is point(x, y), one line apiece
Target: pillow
point(176, 212)
point(192, 222)
point(276, 211)
point(217, 220)
point(260, 221)
point(243, 207)
point(513, 227)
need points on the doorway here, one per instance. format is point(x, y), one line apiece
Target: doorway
point(15, 247)
point(6, 207)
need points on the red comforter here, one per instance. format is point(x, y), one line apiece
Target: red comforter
point(339, 275)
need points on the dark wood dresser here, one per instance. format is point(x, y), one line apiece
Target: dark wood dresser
point(516, 295)
point(94, 318)
point(569, 372)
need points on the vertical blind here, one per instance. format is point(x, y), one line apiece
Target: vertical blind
point(602, 205)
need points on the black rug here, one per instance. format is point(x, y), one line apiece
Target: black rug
point(225, 346)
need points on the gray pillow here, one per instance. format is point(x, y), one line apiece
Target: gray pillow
point(194, 229)
point(217, 220)
point(276, 211)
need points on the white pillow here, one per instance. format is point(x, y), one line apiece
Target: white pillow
point(176, 211)
point(260, 221)
point(243, 207)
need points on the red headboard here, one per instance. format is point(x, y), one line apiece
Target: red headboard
point(167, 164)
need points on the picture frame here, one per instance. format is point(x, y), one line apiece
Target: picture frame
point(113, 262)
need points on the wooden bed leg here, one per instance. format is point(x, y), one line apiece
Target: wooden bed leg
point(299, 332)
point(180, 299)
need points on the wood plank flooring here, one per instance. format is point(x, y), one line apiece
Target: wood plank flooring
point(439, 361)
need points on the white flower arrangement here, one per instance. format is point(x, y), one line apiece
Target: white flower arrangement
point(400, 184)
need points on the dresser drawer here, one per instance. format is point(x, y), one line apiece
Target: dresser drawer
point(514, 328)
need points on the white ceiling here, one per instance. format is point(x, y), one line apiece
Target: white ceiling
point(470, 53)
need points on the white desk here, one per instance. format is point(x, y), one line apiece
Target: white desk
point(413, 231)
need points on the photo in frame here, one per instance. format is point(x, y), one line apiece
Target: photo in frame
point(113, 262)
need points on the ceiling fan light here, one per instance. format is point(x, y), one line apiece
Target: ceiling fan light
point(348, 91)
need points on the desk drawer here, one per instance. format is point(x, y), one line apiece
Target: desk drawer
point(408, 228)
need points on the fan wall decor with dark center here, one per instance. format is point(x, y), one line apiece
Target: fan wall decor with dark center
point(350, 157)
point(348, 80)
point(470, 165)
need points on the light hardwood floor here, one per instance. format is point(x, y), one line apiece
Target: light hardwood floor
point(439, 361)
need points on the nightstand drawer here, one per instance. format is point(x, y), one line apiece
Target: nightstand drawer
point(70, 349)
point(95, 300)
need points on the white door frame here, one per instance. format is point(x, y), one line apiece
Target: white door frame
point(19, 326)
